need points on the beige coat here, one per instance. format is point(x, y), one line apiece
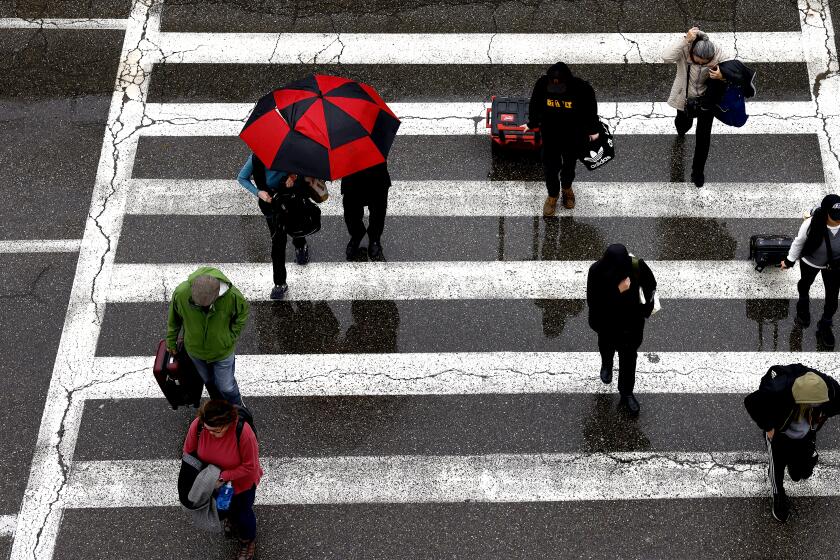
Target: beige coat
point(678, 53)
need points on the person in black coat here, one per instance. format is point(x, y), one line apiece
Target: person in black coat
point(368, 187)
point(565, 110)
point(617, 313)
point(791, 405)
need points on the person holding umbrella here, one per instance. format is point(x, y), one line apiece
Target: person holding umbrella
point(321, 127)
point(368, 187)
point(266, 184)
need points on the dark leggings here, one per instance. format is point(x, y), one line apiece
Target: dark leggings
point(703, 136)
point(799, 456)
point(354, 213)
point(626, 345)
point(242, 514)
point(278, 248)
point(558, 161)
point(831, 280)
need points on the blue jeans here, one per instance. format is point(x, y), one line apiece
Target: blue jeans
point(242, 514)
point(218, 378)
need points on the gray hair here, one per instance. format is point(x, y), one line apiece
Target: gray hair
point(205, 290)
point(703, 48)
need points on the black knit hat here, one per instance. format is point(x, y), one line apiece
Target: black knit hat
point(560, 72)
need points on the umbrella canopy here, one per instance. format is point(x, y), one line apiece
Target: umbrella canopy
point(321, 126)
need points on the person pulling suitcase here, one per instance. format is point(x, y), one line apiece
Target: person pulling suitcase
point(565, 110)
point(817, 246)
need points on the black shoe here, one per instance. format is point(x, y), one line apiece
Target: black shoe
point(302, 255)
point(781, 507)
point(375, 251)
point(352, 250)
point(698, 179)
point(606, 374)
point(631, 404)
point(279, 292)
point(802, 319)
point(825, 337)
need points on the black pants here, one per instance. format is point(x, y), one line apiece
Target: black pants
point(799, 456)
point(354, 213)
point(558, 161)
point(703, 136)
point(278, 247)
point(627, 347)
point(242, 515)
point(831, 280)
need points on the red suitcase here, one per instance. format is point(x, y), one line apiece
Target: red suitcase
point(505, 118)
point(177, 377)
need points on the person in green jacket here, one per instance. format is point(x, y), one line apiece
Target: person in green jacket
point(212, 313)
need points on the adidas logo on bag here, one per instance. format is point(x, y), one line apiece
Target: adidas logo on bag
point(595, 156)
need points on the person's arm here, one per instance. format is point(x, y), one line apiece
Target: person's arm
point(758, 405)
point(675, 51)
point(796, 247)
point(240, 317)
point(244, 177)
point(591, 112)
point(537, 104)
point(248, 454)
point(594, 300)
point(191, 442)
point(173, 326)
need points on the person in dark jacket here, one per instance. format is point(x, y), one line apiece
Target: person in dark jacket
point(368, 187)
point(617, 312)
point(816, 245)
point(266, 184)
point(565, 110)
point(791, 404)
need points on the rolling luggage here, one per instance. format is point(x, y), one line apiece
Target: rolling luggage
point(177, 377)
point(768, 250)
point(505, 119)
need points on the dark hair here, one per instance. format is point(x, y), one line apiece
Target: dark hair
point(217, 413)
point(819, 222)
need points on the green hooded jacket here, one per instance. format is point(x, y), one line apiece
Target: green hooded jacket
point(208, 335)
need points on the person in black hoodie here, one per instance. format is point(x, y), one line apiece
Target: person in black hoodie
point(817, 246)
point(565, 110)
point(791, 404)
point(368, 187)
point(614, 290)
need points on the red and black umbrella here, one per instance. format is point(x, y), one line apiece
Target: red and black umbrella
point(321, 126)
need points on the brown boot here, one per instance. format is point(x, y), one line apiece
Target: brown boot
point(568, 198)
point(550, 206)
point(246, 550)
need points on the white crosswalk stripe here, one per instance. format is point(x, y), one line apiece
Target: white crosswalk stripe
point(217, 197)
point(546, 477)
point(463, 373)
point(58, 482)
point(456, 280)
point(452, 48)
point(450, 119)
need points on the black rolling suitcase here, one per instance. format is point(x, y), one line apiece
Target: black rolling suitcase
point(767, 250)
point(177, 377)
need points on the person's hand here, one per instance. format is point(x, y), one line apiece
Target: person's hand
point(715, 73)
point(290, 180)
point(691, 34)
point(624, 285)
point(783, 265)
point(593, 137)
point(219, 483)
point(770, 434)
point(264, 196)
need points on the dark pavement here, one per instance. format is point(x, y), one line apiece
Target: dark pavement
point(55, 93)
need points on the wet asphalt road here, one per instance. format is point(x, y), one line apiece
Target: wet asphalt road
point(55, 93)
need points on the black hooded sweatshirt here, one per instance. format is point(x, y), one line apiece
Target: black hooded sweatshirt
point(613, 312)
point(564, 108)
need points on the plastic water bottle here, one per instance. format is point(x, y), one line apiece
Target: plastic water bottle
point(224, 497)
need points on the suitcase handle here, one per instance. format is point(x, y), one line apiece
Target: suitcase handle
point(487, 118)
